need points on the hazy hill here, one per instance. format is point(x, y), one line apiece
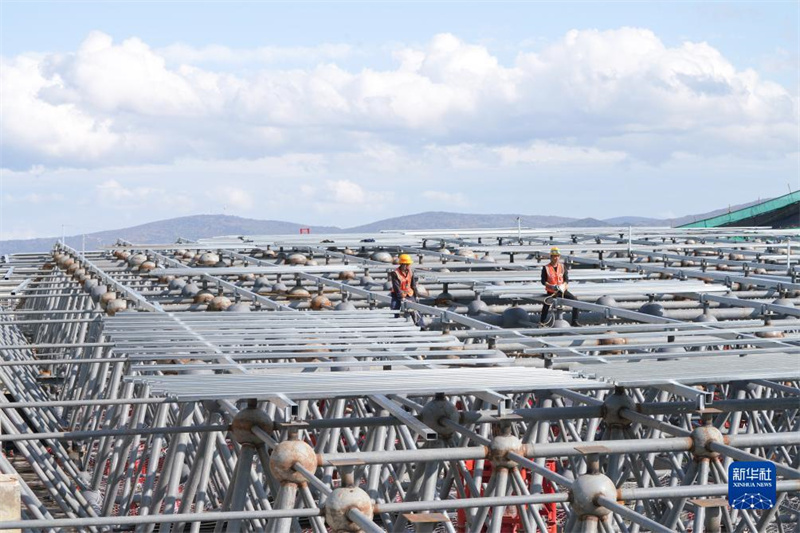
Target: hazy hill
point(446, 220)
point(635, 221)
point(583, 223)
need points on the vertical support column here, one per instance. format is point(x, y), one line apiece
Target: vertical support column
point(700, 511)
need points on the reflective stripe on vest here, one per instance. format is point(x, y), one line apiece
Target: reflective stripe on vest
point(405, 283)
point(555, 276)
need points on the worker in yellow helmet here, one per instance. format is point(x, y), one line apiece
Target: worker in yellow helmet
point(555, 278)
point(404, 282)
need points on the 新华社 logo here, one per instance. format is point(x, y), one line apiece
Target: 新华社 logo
point(751, 485)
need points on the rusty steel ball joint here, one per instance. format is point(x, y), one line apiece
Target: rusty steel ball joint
point(342, 501)
point(286, 455)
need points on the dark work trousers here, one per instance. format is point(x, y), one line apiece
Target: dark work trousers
point(397, 302)
point(567, 296)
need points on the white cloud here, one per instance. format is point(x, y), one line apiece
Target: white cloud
point(346, 192)
point(233, 197)
point(461, 156)
point(340, 201)
point(33, 198)
point(475, 156)
point(350, 193)
point(540, 152)
point(131, 77)
point(38, 132)
point(617, 91)
point(114, 191)
point(456, 199)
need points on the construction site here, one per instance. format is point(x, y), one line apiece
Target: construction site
point(263, 383)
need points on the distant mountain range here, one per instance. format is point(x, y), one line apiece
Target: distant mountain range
point(201, 226)
point(445, 220)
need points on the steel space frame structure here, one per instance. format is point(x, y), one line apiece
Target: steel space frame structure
point(261, 383)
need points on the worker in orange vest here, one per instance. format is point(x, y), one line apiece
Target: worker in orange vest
point(555, 278)
point(404, 282)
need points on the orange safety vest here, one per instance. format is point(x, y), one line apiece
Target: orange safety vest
point(555, 276)
point(405, 283)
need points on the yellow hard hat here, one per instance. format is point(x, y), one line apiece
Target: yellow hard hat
point(405, 259)
point(555, 251)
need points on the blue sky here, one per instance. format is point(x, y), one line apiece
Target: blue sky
point(330, 113)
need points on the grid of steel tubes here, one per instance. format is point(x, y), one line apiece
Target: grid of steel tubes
point(261, 383)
